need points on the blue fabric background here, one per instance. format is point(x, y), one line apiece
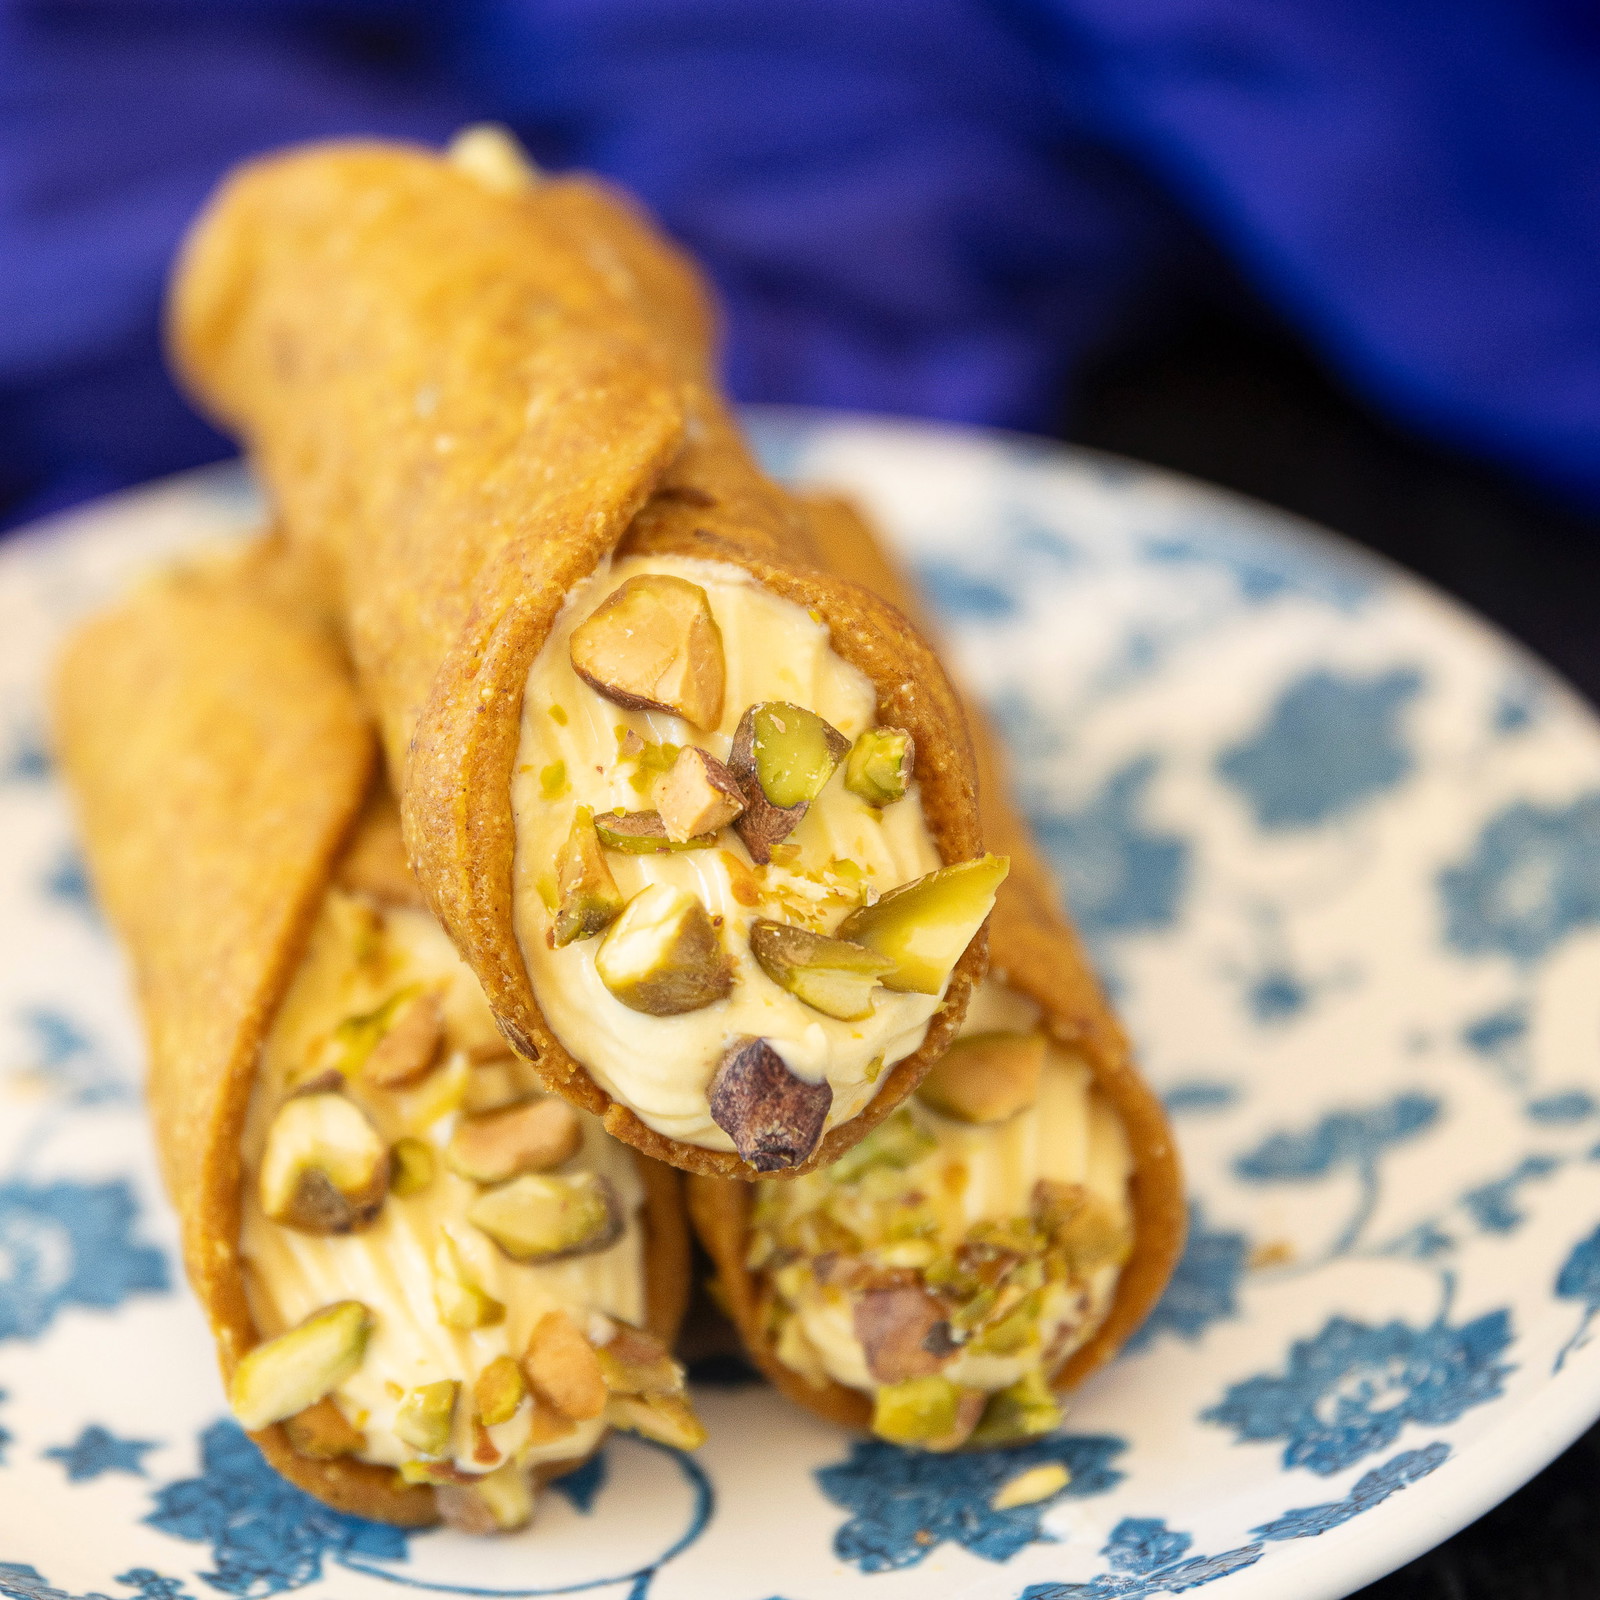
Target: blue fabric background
point(939, 207)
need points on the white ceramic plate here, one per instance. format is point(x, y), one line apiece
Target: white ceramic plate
point(1337, 848)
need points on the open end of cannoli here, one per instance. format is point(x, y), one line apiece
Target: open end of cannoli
point(448, 1267)
point(711, 827)
point(950, 1265)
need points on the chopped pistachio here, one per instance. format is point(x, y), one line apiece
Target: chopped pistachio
point(324, 1169)
point(924, 926)
point(412, 1167)
point(287, 1374)
point(461, 1301)
point(774, 1118)
point(985, 1077)
point(553, 780)
point(497, 1502)
point(879, 766)
point(532, 1136)
point(588, 900)
point(653, 645)
point(793, 751)
point(697, 797)
point(499, 1391)
point(357, 1037)
point(669, 1419)
point(643, 833)
point(323, 1433)
point(897, 1142)
point(545, 1217)
point(832, 976)
point(662, 955)
point(636, 1362)
point(916, 1411)
point(562, 1367)
point(1023, 1411)
point(426, 1416)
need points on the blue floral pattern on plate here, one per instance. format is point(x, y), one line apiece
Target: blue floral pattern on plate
point(1334, 847)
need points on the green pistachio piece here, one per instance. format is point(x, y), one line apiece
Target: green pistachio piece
point(669, 1419)
point(897, 1143)
point(791, 752)
point(985, 1077)
point(325, 1169)
point(1023, 1411)
point(425, 1416)
point(588, 900)
point(662, 955)
point(499, 1391)
point(917, 1411)
point(461, 1301)
point(412, 1167)
point(879, 766)
point(643, 833)
point(285, 1375)
point(832, 976)
point(925, 925)
point(546, 1216)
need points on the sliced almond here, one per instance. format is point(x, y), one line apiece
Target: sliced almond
point(985, 1077)
point(409, 1050)
point(322, 1432)
point(287, 1374)
point(698, 796)
point(426, 1418)
point(532, 1136)
point(547, 1216)
point(498, 1392)
point(662, 955)
point(653, 645)
point(324, 1169)
point(563, 1367)
point(774, 1118)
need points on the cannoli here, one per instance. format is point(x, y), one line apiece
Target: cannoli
point(431, 1284)
point(1002, 1235)
point(621, 706)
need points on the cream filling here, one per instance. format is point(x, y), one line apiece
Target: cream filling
point(660, 1067)
point(351, 968)
point(1071, 1134)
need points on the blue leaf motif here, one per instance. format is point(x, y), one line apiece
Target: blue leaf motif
point(1148, 1558)
point(1559, 1110)
point(959, 593)
point(1340, 1139)
point(1123, 876)
point(69, 1244)
point(266, 1536)
point(905, 1503)
point(96, 1451)
point(1493, 1205)
point(1201, 1095)
point(68, 1060)
point(1372, 1488)
point(1579, 1279)
point(1330, 744)
point(1348, 1391)
point(1204, 1287)
point(1532, 879)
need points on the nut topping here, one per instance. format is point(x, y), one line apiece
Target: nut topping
point(287, 1374)
point(832, 976)
point(669, 1419)
point(530, 1137)
point(545, 1217)
point(427, 1415)
point(587, 896)
point(644, 833)
point(322, 1432)
point(774, 1118)
point(782, 757)
point(562, 1367)
point(412, 1166)
point(697, 797)
point(879, 766)
point(653, 645)
point(985, 1077)
point(498, 1502)
point(925, 925)
point(636, 1362)
point(408, 1051)
point(903, 1332)
point(498, 1391)
point(324, 1169)
point(929, 1412)
point(461, 1300)
point(662, 956)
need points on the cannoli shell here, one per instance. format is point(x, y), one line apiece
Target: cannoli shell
point(1036, 950)
point(221, 766)
point(462, 402)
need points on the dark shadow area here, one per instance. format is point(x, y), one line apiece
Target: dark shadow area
point(1227, 397)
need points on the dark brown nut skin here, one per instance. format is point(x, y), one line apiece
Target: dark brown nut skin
point(761, 824)
point(318, 1207)
point(774, 1118)
point(903, 1332)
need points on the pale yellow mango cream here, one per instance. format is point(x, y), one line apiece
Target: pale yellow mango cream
point(361, 955)
point(961, 1176)
point(575, 750)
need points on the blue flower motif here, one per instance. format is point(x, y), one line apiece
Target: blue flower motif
point(1353, 1139)
point(1349, 1391)
point(69, 1244)
point(1493, 1205)
point(959, 593)
point(67, 880)
point(1329, 745)
point(1558, 1110)
point(1579, 1279)
point(26, 760)
point(95, 1451)
point(1372, 1488)
point(1532, 879)
point(1122, 875)
point(1263, 564)
point(1204, 1287)
point(68, 1060)
point(1148, 1558)
point(266, 1536)
point(905, 1503)
point(1501, 1038)
point(1201, 1095)
point(22, 1582)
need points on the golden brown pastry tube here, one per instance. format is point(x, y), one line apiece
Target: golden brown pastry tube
point(219, 757)
point(462, 400)
point(1035, 950)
